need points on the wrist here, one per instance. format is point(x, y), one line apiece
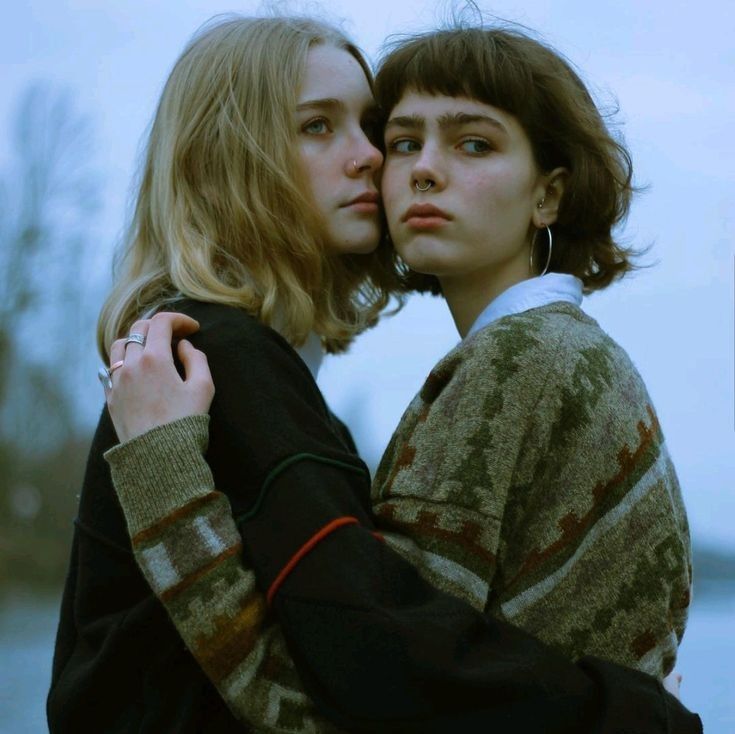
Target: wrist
point(161, 470)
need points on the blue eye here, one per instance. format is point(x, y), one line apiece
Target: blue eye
point(475, 146)
point(319, 126)
point(404, 145)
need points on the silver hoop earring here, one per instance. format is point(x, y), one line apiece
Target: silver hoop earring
point(533, 247)
point(427, 185)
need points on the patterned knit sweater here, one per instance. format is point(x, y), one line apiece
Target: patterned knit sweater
point(531, 477)
point(528, 476)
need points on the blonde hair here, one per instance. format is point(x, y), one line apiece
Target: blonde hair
point(223, 212)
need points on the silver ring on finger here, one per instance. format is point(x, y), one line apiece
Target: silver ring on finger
point(135, 337)
point(103, 375)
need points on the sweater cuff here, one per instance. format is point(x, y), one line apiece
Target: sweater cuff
point(161, 470)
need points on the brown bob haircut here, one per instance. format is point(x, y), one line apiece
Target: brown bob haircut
point(508, 69)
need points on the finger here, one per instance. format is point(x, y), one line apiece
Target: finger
point(181, 324)
point(139, 328)
point(672, 682)
point(196, 367)
point(104, 377)
point(117, 351)
point(132, 352)
point(162, 329)
point(184, 325)
point(117, 354)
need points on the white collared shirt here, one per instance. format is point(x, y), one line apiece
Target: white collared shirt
point(312, 353)
point(527, 294)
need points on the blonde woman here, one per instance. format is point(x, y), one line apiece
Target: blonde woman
point(262, 223)
point(377, 649)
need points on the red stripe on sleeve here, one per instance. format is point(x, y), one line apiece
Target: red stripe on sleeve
point(306, 548)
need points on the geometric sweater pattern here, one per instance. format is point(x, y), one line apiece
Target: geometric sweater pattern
point(529, 476)
point(188, 546)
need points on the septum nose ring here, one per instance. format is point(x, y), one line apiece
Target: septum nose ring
point(427, 185)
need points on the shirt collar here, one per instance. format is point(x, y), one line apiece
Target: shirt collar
point(312, 353)
point(527, 294)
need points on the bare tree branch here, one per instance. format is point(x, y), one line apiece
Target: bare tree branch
point(47, 200)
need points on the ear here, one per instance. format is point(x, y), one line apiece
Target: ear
point(551, 190)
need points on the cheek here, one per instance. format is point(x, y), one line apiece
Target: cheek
point(317, 178)
point(322, 158)
point(501, 193)
point(390, 190)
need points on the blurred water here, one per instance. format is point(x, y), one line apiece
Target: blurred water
point(27, 628)
point(707, 661)
point(27, 633)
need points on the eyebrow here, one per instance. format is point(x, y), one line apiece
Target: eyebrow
point(446, 121)
point(326, 103)
point(371, 113)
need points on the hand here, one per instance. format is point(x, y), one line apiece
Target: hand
point(672, 683)
point(147, 390)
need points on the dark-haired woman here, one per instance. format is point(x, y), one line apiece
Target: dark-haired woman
point(529, 475)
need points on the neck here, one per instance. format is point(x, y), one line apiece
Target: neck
point(468, 295)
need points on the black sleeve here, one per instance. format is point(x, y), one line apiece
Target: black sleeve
point(378, 648)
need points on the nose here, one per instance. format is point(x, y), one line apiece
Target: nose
point(367, 158)
point(427, 171)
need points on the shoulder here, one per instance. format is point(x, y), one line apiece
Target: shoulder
point(554, 349)
point(232, 336)
point(559, 338)
point(218, 323)
point(584, 352)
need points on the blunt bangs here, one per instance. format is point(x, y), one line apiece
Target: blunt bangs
point(457, 63)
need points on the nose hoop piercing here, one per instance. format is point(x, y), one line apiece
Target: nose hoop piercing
point(355, 166)
point(427, 185)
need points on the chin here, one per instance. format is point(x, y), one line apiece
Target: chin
point(353, 248)
point(359, 244)
point(366, 249)
point(422, 261)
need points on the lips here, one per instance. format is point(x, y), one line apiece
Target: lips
point(425, 216)
point(369, 197)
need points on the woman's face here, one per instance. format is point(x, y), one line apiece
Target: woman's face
point(335, 107)
point(476, 219)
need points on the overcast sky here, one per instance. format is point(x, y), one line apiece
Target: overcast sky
point(669, 65)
